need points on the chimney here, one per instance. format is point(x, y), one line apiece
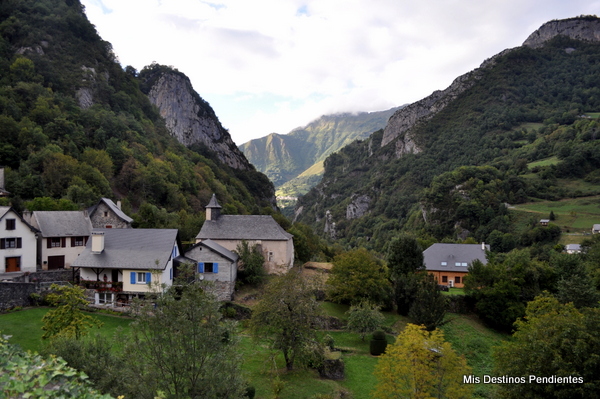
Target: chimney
point(483, 246)
point(2, 178)
point(97, 242)
point(119, 205)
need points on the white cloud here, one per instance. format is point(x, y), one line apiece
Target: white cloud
point(273, 65)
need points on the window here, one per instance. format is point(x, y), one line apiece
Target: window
point(444, 263)
point(208, 267)
point(457, 264)
point(77, 241)
point(461, 264)
point(141, 278)
point(10, 224)
point(12, 242)
point(444, 279)
point(464, 264)
point(105, 298)
point(457, 279)
point(56, 242)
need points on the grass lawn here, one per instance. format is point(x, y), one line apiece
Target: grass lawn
point(544, 162)
point(265, 369)
point(25, 326)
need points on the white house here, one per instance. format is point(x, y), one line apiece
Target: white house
point(18, 242)
point(63, 236)
point(216, 264)
point(229, 231)
point(125, 263)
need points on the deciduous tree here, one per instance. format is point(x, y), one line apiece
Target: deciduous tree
point(420, 364)
point(287, 315)
point(364, 318)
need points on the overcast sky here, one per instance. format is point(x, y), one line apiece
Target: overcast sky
point(273, 65)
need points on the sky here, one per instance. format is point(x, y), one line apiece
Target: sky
point(269, 66)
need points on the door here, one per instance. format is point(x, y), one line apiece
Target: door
point(56, 262)
point(13, 264)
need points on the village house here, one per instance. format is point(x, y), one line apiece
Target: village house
point(63, 236)
point(125, 263)
point(449, 263)
point(229, 231)
point(106, 215)
point(215, 264)
point(596, 229)
point(573, 248)
point(18, 243)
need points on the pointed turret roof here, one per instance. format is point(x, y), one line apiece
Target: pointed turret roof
point(213, 203)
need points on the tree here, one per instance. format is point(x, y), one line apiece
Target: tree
point(429, 306)
point(287, 315)
point(252, 270)
point(364, 318)
point(180, 345)
point(420, 364)
point(68, 318)
point(552, 340)
point(357, 275)
point(405, 258)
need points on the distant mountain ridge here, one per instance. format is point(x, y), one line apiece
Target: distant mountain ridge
point(285, 157)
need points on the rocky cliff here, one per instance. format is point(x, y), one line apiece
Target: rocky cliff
point(189, 118)
point(585, 28)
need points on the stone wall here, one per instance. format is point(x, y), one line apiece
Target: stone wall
point(15, 294)
point(49, 276)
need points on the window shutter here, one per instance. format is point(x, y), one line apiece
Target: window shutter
point(200, 267)
point(48, 242)
point(148, 278)
point(3, 243)
point(19, 242)
point(215, 268)
point(133, 278)
point(72, 241)
point(63, 242)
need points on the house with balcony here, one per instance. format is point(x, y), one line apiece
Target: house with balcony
point(121, 264)
point(449, 263)
point(18, 243)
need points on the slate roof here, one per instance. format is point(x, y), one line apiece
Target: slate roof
point(114, 208)
point(243, 227)
point(63, 223)
point(435, 255)
point(130, 249)
point(213, 246)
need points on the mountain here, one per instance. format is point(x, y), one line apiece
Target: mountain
point(445, 166)
point(300, 153)
point(76, 126)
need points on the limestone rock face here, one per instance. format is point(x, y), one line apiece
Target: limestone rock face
point(580, 28)
point(358, 207)
point(191, 120)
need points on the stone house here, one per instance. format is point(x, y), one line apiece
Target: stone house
point(63, 236)
point(106, 214)
point(125, 263)
point(449, 263)
point(229, 231)
point(18, 243)
point(216, 264)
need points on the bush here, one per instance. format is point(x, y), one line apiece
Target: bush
point(378, 343)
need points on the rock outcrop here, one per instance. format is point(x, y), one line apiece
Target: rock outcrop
point(581, 28)
point(191, 120)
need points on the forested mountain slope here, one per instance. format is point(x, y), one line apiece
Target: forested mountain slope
point(285, 157)
point(447, 165)
point(75, 126)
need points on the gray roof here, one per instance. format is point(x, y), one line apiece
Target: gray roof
point(243, 227)
point(131, 249)
point(451, 254)
point(213, 246)
point(213, 203)
point(4, 211)
point(114, 208)
point(63, 223)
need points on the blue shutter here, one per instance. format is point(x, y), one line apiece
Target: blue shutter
point(215, 268)
point(200, 267)
point(171, 274)
point(148, 278)
point(133, 278)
